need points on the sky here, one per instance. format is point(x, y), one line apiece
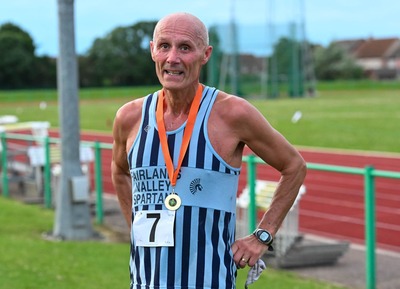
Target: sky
point(323, 21)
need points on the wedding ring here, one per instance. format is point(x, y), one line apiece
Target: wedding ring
point(244, 260)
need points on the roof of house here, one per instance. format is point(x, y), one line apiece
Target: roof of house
point(377, 47)
point(370, 48)
point(350, 46)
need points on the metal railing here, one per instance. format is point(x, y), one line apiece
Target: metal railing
point(369, 174)
point(98, 176)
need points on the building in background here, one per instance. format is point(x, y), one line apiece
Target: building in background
point(380, 58)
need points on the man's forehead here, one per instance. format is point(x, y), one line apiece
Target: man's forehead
point(177, 33)
point(177, 25)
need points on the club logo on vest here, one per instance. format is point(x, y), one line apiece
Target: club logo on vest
point(195, 186)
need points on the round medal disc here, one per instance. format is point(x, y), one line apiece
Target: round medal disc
point(172, 202)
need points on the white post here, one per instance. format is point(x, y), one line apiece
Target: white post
point(72, 219)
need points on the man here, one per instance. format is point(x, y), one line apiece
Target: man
point(176, 161)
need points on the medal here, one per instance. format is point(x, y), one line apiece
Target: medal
point(173, 202)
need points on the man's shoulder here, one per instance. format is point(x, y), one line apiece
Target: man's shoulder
point(230, 103)
point(130, 112)
point(131, 106)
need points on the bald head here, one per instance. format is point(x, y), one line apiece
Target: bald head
point(183, 19)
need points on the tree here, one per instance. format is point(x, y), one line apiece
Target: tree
point(213, 67)
point(120, 58)
point(285, 66)
point(333, 63)
point(45, 72)
point(17, 57)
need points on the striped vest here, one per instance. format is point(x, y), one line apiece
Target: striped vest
point(202, 228)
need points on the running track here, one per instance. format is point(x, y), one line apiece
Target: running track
point(333, 205)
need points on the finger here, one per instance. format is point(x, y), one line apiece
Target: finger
point(237, 254)
point(243, 262)
point(234, 248)
point(251, 262)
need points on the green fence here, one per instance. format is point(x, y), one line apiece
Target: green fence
point(98, 177)
point(368, 172)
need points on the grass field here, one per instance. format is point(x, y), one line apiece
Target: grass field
point(348, 115)
point(30, 262)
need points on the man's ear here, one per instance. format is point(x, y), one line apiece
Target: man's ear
point(207, 54)
point(151, 49)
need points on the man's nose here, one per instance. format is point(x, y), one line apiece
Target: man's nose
point(173, 56)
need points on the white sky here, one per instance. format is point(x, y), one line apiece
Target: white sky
point(324, 20)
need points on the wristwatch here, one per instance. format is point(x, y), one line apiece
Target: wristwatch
point(264, 237)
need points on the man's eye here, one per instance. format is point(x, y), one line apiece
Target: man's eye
point(185, 48)
point(164, 46)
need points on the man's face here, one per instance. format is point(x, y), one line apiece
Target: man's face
point(178, 53)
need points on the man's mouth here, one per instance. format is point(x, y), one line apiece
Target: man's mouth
point(172, 72)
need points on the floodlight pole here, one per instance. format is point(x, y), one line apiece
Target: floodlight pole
point(72, 220)
point(234, 65)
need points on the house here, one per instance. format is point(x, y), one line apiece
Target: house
point(380, 58)
point(250, 64)
point(350, 46)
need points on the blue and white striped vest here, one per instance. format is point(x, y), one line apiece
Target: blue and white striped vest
point(204, 227)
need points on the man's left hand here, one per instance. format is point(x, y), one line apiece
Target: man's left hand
point(247, 251)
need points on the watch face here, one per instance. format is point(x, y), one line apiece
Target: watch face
point(264, 236)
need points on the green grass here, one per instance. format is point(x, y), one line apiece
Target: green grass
point(37, 95)
point(362, 115)
point(360, 119)
point(30, 262)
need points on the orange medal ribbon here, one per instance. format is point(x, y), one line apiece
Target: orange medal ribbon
point(172, 172)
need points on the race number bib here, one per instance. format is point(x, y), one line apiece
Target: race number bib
point(154, 228)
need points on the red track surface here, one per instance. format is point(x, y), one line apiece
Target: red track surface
point(333, 205)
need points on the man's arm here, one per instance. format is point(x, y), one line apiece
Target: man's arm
point(124, 130)
point(255, 131)
point(122, 181)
